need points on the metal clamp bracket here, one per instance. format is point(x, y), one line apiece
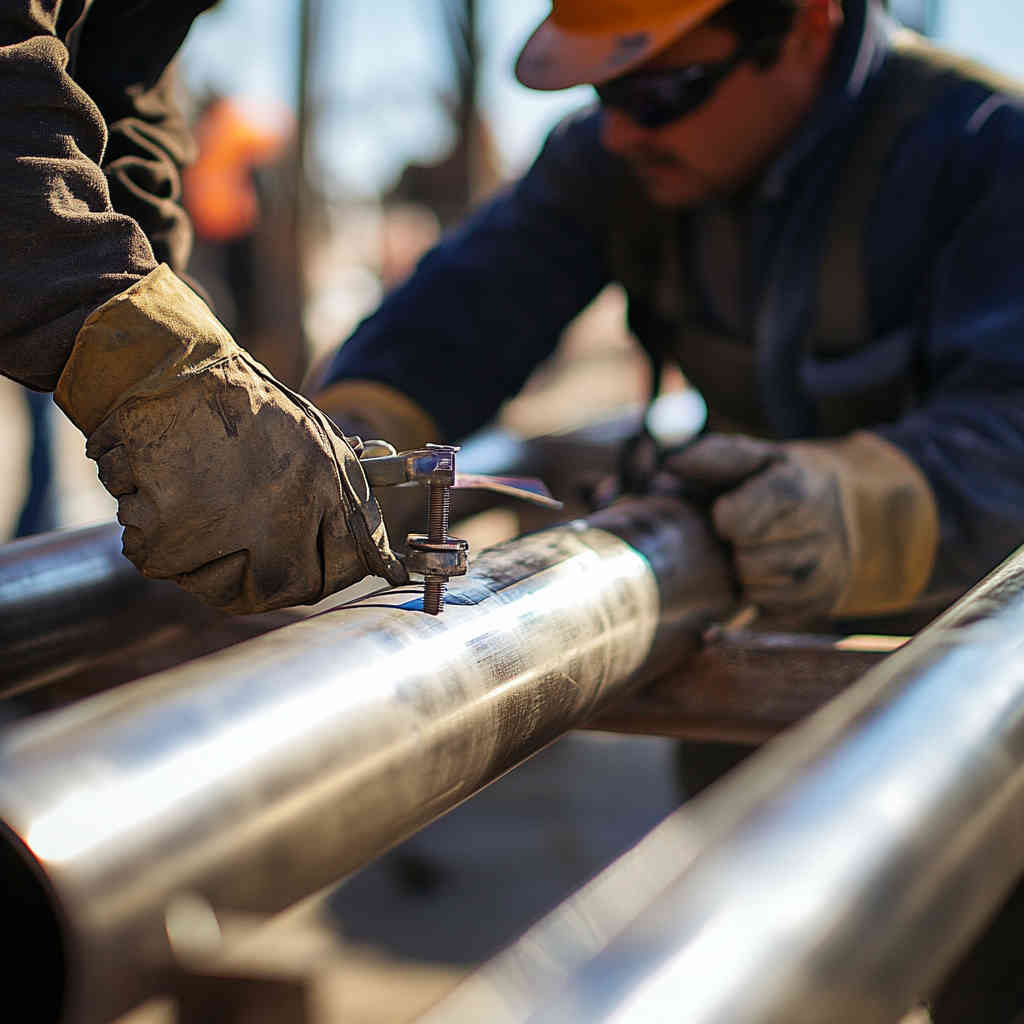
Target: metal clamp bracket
point(435, 555)
point(434, 464)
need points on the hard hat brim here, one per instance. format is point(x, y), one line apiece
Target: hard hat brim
point(555, 58)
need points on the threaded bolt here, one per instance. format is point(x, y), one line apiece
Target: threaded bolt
point(438, 511)
point(439, 503)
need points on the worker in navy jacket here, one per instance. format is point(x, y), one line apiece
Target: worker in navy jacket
point(820, 218)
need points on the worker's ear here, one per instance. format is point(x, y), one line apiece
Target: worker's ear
point(815, 27)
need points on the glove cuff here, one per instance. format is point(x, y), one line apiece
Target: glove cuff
point(136, 344)
point(377, 411)
point(891, 519)
point(157, 336)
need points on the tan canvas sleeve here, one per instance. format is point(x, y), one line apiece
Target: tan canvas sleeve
point(376, 410)
point(136, 345)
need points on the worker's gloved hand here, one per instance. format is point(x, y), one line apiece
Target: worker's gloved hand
point(227, 482)
point(846, 527)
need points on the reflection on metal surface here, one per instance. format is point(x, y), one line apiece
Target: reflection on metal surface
point(837, 876)
point(253, 777)
point(677, 417)
point(55, 588)
point(71, 603)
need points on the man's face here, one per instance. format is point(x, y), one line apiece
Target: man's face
point(724, 143)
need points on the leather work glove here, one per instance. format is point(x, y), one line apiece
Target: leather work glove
point(842, 528)
point(228, 483)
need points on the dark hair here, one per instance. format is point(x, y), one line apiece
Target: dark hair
point(754, 21)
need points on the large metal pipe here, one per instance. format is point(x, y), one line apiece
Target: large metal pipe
point(257, 775)
point(54, 591)
point(76, 617)
point(836, 877)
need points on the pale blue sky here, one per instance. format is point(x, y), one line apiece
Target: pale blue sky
point(989, 29)
point(382, 64)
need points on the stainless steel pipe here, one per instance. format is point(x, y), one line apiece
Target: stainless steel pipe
point(834, 879)
point(255, 776)
point(76, 617)
point(56, 591)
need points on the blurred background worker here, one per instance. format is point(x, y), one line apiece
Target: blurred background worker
point(818, 218)
point(240, 195)
point(227, 482)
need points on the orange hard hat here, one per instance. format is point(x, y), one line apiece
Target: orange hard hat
point(592, 41)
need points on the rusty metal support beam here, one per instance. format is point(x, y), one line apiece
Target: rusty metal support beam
point(745, 686)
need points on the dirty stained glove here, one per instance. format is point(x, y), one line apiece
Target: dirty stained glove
point(843, 527)
point(241, 491)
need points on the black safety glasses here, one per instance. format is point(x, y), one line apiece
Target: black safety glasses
point(657, 98)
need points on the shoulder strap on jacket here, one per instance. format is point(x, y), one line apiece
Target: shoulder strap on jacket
point(914, 75)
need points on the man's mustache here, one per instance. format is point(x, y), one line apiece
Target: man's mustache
point(642, 157)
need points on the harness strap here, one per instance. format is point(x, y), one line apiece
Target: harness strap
point(914, 75)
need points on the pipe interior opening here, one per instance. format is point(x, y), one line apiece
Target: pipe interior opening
point(36, 960)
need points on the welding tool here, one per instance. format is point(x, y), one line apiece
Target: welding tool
point(434, 555)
